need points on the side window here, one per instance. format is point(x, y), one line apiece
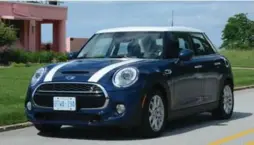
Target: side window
point(159, 42)
point(122, 49)
point(178, 41)
point(183, 43)
point(201, 45)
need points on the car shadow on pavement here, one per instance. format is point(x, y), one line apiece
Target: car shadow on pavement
point(176, 127)
point(200, 121)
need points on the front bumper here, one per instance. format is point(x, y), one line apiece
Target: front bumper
point(106, 116)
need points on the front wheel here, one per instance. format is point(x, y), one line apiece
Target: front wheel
point(226, 103)
point(154, 115)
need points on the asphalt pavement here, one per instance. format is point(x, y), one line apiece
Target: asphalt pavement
point(196, 130)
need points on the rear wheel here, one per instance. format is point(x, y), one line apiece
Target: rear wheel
point(226, 103)
point(47, 128)
point(154, 115)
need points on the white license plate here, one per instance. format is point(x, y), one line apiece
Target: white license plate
point(64, 103)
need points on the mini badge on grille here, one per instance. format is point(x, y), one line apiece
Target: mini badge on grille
point(70, 77)
point(92, 89)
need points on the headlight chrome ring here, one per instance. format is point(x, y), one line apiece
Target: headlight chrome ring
point(37, 75)
point(125, 77)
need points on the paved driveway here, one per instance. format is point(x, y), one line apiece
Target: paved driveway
point(198, 130)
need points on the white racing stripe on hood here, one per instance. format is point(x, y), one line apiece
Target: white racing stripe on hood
point(52, 72)
point(99, 74)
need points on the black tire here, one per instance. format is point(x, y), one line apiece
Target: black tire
point(145, 129)
point(220, 112)
point(47, 128)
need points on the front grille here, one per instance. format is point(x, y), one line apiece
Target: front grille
point(87, 95)
point(69, 87)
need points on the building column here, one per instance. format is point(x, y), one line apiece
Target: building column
point(26, 35)
point(68, 44)
point(55, 36)
point(59, 36)
point(21, 35)
point(32, 36)
point(62, 36)
point(38, 36)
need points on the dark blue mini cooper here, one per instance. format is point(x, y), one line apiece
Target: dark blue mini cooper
point(133, 77)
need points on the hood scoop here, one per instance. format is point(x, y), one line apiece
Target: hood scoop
point(75, 72)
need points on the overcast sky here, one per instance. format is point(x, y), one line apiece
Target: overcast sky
point(85, 18)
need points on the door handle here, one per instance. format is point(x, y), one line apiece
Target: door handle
point(198, 66)
point(217, 63)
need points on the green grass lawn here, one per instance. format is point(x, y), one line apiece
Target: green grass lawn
point(243, 77)
point(240, 58)
point(13, 85)
point(14, 82)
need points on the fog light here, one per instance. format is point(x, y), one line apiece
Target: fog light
point(29, 106)
point(120, 108)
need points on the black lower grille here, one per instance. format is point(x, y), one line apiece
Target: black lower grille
point(84, 99)
point(66, 116)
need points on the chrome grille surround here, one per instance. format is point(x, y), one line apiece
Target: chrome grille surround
point(83, 83)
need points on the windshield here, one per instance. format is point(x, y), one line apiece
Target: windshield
point(124, 44)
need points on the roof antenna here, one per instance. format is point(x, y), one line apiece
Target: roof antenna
point(172, 24)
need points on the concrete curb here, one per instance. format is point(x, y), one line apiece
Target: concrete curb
point(15, 126)
point(245, 68)
point(244, 87)
point(28, 124)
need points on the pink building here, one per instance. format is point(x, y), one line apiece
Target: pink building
point(75, 44)
point(28, 18)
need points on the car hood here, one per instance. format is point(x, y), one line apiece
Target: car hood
point(91, 70)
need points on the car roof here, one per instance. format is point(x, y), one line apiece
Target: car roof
point(150, 29)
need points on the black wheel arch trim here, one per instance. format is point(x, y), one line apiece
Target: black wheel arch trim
point(159, 81)
point(225, 78)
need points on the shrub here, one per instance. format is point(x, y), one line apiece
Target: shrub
point(22, 56)
point(28, 64)
point(14, 64)
point(61, 57)
point(7, 35)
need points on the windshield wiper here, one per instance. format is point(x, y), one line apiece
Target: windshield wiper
point(119, 56)
point(83, 57)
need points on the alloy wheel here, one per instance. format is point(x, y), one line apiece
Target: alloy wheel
point(227, 99)
point(156, 113)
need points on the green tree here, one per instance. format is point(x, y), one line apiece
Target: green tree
point(7, 35)
point(238, 32)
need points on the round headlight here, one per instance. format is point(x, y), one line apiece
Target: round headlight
point(125, 77)
point(37, 75)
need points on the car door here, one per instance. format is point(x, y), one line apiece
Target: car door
point(210, 66)
point(185, 80)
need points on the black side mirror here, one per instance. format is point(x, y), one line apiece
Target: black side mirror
point(185, 54)
point(72, 55)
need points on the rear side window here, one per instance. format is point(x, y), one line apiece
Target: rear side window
point(201, 45)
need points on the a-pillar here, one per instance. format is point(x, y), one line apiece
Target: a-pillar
point(59, 36)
